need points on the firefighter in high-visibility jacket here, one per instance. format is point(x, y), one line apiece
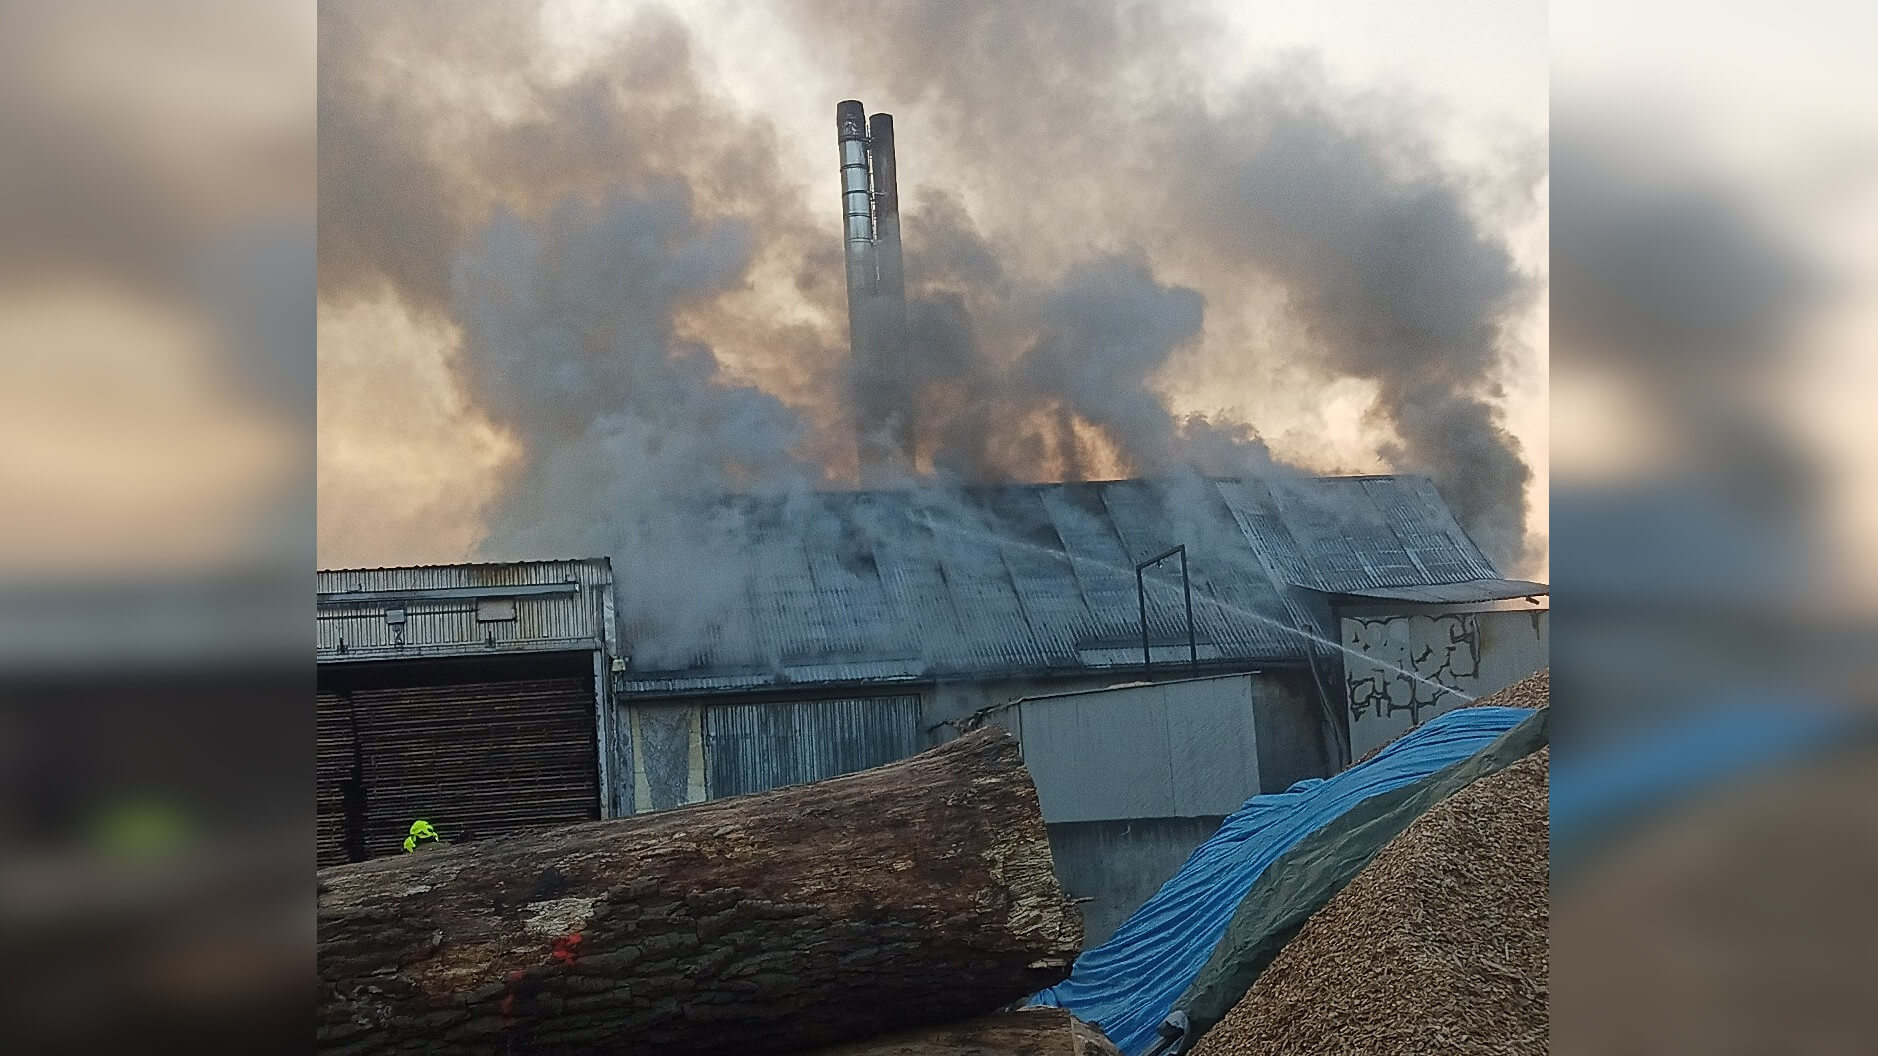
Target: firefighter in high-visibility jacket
point(422, 836)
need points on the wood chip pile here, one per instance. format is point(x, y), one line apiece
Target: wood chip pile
point(1533, 691)
point(1440, 945)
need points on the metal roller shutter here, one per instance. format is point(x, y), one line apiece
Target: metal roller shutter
point(482, 759)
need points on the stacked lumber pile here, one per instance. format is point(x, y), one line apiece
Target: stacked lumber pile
point(1439, 945)
point(909, 896)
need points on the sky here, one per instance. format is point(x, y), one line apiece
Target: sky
point(1118, 217)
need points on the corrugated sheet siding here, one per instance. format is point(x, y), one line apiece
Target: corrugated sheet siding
point(448, 626)
point(757, 747)
point(485, 758)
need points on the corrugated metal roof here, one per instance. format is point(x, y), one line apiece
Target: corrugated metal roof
point(936, 583)
point(1474, 590)
point(424, 577)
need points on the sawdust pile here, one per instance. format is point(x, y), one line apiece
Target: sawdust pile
point(1533, 691)
point(1440, 945)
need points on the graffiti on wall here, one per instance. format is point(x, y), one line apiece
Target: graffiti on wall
point(1384, 701)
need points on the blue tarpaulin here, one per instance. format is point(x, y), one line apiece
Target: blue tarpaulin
point(1128, 984)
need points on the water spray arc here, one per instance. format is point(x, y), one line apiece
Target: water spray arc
point(1240, 610)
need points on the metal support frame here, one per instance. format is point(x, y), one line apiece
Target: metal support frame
point(1141, 596)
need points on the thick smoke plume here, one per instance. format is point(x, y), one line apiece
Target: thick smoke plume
point(1386, 271)
point(655, 313)
point(1391, 279)
point(633, 432)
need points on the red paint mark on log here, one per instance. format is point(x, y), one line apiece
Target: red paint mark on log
point(566, 948)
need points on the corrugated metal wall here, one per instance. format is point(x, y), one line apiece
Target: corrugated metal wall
point(756, 747)
point(461, 610)
point(481, 758)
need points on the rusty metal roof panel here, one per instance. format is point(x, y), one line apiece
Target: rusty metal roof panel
point(915, 589)
point(1102, 572)
point(654, 687)
point(1353, 534)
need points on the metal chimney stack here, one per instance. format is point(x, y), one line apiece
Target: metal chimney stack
point(887, 210)
point(870, 216)
point(857, 219)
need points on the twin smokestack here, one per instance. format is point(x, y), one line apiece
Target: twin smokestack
point(870, 209)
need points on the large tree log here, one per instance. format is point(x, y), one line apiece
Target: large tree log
point(1030, 1032)
point(912, 894)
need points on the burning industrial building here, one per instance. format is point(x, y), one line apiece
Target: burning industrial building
point(757, 622)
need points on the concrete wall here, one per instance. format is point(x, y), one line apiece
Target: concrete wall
point(666, 748)
point(1121, 864)
point(1474, 650)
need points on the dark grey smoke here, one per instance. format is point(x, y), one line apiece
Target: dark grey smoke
point(1107, 331)
point(1390, 276)
point(632, 433)
point(575, 247)
point(413, 161)
point(1388, 271)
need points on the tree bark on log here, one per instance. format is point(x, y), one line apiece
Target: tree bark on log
point(917, 893)
point(1030, 1032)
